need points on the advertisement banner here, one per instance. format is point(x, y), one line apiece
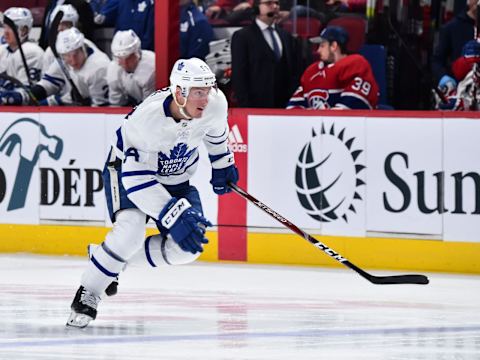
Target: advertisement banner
point(71, 185)
point(310, 170)
point(24, 141)
point(404, 175)
point(462, 180)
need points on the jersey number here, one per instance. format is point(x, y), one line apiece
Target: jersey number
point(361, 86)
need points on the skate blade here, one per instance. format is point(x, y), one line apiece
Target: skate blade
point(78, 320)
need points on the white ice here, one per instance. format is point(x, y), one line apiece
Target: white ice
point(236, 311)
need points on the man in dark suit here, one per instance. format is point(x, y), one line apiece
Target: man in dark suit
point(266, 64)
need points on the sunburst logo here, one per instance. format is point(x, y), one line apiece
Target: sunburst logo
point(328, 174)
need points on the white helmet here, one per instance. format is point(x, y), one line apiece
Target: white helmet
point(125, 43)
point(69, 40)
point(20, 16)
point(69, 13)
point(188, 73)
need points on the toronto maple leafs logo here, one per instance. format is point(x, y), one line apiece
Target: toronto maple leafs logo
point(174, 163)
point(180, 66)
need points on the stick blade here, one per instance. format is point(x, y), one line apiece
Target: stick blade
point(400, 279)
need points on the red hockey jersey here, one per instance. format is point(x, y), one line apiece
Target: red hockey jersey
point(347, 84)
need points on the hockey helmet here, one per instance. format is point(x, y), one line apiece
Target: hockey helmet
point(125, 43)
point(69, 13)
point(188, 73)
point(20, 16)
point(69, 40)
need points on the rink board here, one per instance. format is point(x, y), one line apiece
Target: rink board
point(385, 189)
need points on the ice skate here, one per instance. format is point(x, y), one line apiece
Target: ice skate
point(84, 308)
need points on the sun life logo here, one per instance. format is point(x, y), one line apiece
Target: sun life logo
point(328, 175)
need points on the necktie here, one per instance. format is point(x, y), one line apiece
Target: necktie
point(276, 48)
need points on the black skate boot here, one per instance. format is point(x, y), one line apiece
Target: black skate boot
point(84, 308)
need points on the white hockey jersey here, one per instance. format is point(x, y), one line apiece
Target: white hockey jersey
point(12, 64)
point(90, 80)
point(156, 149)
point(137, 85)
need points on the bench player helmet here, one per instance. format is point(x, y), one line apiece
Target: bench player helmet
point(69, 40)
point(188, 73)
point(70, 14)
point(21, 17)
point(125, 43)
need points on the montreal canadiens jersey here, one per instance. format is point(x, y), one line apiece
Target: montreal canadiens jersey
point(124, 87)
point(157, 150)
point(11, 62)
point(347, 84)
point(90, 80)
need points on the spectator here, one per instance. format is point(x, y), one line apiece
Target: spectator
point(86, 66)
point(452, 38)
point(10, 57)
point(85, 22)
point(266, 65)
point(195, 31)
point(338, 80)
point(131, 73)
point(222, 9)
point(137, 15)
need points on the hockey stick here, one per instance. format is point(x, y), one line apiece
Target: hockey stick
point(9, 22)
point(52, 40)
point(382, 280)
point(19, 84)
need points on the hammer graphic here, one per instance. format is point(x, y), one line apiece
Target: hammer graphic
point(15, 135)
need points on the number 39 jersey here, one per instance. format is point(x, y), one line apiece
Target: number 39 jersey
point(347, 84)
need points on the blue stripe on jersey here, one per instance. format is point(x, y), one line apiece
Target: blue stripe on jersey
point(217, 143)
point(215, 136)
point(102, 269)
point(166, 105)
point(140, 172)
point(185, 169)
point(142, 186)
point(216, 157)
point(58, 82)
point(297, 102)
point(353, 102)
point(119, 139)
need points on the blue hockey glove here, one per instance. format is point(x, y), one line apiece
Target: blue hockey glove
point(186, 225)
point(11, 98)
point(221, 178)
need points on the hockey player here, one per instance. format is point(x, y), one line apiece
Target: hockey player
point(147, 174)
point(10, 57)
point(466, 69)
point(131, 73)
point(338, 80)
point(87, 67)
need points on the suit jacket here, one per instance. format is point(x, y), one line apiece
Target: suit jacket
point(253, 67)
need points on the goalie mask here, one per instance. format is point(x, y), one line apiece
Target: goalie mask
point(69, 40)
point(22, 17)
point(125, 43)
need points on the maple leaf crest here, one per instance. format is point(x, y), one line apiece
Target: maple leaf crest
point(178, 151)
